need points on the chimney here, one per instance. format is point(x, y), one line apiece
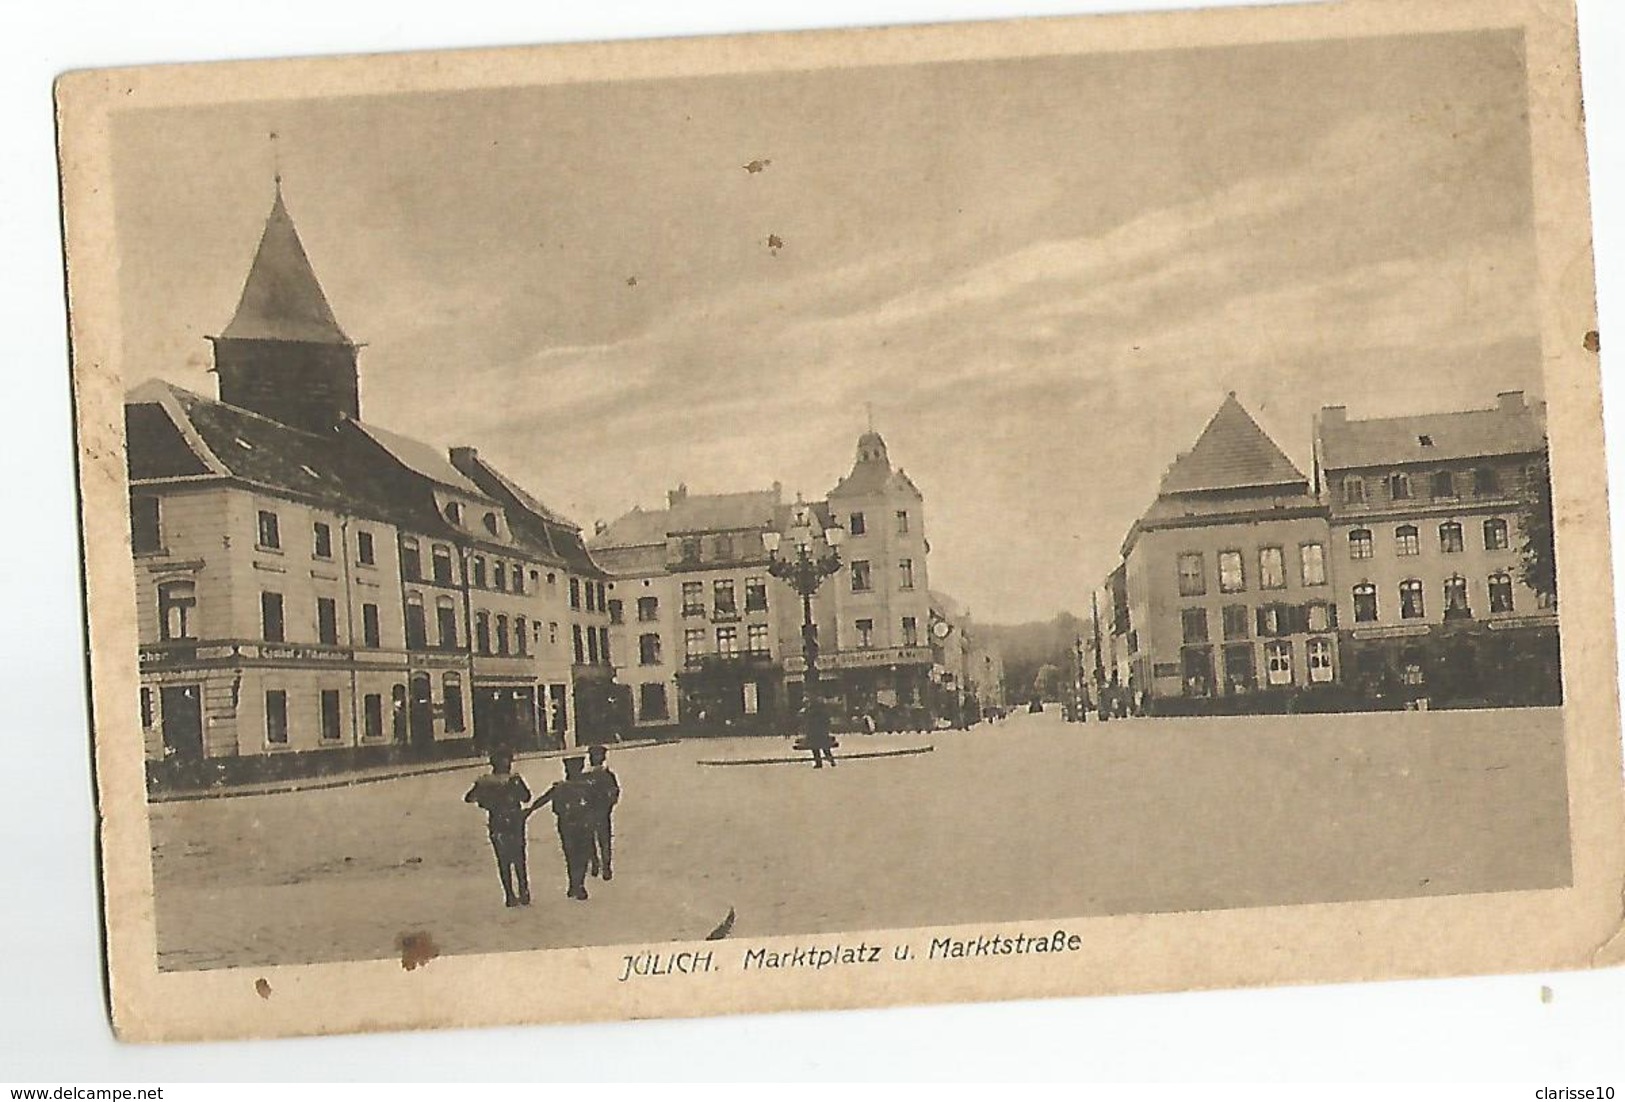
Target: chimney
point(598, 527)
point(678, 496)
point(778, 489)
point(1510, 401)
point(1334, 415)
point(464, 457)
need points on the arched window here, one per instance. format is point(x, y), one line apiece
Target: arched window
point(1411, 605)
point(176, 604)
point(502, 635)
point(1406, 540)
point(1495, 534)
point(1500, 592)
point(1365, 603)
point(1360, 543)
point(1450, 537)
point(452, 692)
point(411, 560)
point(521, 635)
point(442, 564)
point(479, 571)
point(482, 632)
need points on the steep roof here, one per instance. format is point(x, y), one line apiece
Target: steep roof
point(236, 443)
point(1512, 428)
point(532, 523)
point(282, 298)
point(1232, 453)
point(637, 528)
point(420, 458)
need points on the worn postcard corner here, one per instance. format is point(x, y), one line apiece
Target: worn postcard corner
point(827, 520)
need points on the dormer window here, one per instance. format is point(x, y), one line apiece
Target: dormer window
point(454, 512)
point(491, 524)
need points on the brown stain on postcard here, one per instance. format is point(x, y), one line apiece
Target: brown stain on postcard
point(262, 987)
point(417, 949)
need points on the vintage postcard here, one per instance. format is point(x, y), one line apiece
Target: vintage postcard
point(844, 519)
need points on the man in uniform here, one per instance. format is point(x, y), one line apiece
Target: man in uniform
point(501, 794)
point(572, 801)
point(606, 792)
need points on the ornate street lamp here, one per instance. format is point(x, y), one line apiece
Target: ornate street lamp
point(805, 573)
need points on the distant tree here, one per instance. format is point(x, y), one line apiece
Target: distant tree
point(1047, 682)
point(1539, 567)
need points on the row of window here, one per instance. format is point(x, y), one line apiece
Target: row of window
point(1241, 670)
point(863, 575)
point(648, 610)
point(329, 708)
point(1407, 539)
point(724, 601)
point(1442, 485)
point(588, 593)
point(857, 524)
point(696, 642)
point(1241, 621)
point(269, 536)
point(1193, 577)
point(590, 644)
point(1413, 605)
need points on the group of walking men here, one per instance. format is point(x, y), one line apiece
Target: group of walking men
point(583, 805)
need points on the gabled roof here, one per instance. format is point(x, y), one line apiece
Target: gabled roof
point(421, 459)
point(282, 298)
point(205, 436)
point(1512, 428)
point(637, 528)
point(1232, 453)
point(533, 524)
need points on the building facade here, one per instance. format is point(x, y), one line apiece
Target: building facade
point(1426, 535)
point(1225, 590)
point(707, 637)
point(310, 584)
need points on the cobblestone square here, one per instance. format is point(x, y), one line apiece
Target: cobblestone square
point(1026, 819)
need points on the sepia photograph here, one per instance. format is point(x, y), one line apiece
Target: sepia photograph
point(890, 506)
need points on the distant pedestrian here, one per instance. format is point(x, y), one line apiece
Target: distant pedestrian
point(571, 800)
point(818, 739)
point(606, 793)
point(501, 794)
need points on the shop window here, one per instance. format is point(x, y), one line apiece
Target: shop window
point(1320, 661)
point(332, 730)
point(276, 717)
point(1278, 662)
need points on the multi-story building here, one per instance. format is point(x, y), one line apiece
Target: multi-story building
point(310, 582)
point(708, 637)
point(1425, 522)
point(1225, 578)
point(691, 603)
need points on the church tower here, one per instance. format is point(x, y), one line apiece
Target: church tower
point(284, 356)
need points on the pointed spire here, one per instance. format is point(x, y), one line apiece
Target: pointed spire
point(282, 298)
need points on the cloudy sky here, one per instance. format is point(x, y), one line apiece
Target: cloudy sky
point(1043, 274)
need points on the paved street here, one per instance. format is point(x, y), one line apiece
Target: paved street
point(1030, 818)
